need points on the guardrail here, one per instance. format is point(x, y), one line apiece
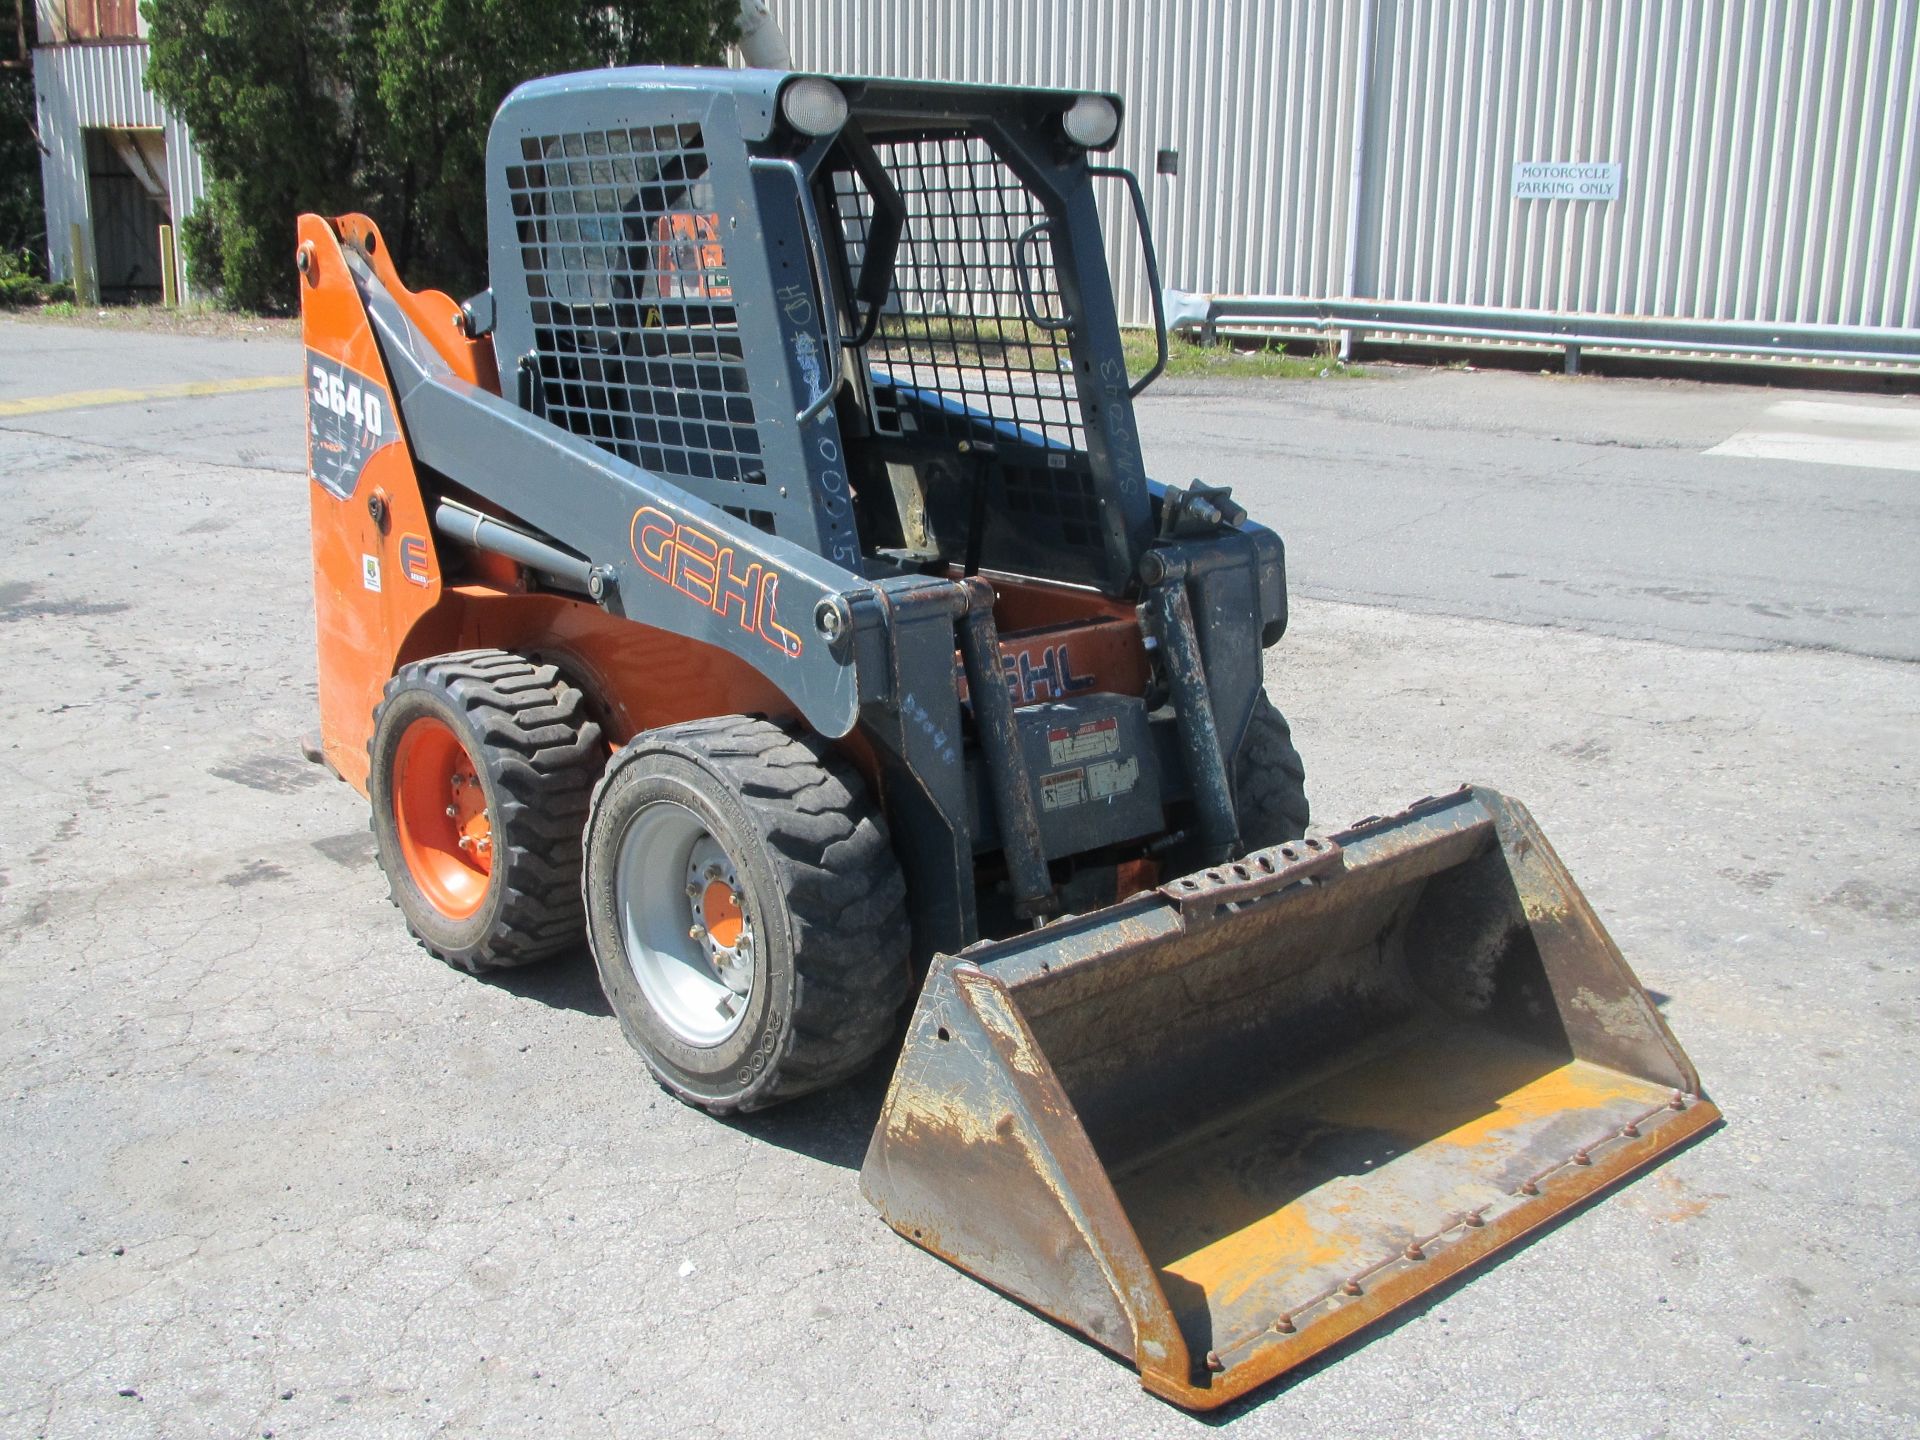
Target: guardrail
point(1710, 339)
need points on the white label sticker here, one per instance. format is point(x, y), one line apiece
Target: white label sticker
point(1112, 777)
point(370, 572)
point(1084, 742)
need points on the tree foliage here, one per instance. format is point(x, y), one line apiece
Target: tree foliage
point(380, 106)
point(23, 225)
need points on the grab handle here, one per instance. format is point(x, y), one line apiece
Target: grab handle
point(1139, 197)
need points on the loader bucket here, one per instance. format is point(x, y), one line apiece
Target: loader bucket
point(1223, 1125)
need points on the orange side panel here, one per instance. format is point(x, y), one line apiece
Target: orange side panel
point(1073, 658)
point(641, 677)
point(437, 316)
point(1061, 640)
point(1022, 604)
point(373, 578)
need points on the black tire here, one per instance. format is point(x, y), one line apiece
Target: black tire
point(1270, 782)
point(819, 887)
point(537, 755)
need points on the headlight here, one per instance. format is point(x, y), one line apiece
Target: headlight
point(814, 106)
point(1092, 121)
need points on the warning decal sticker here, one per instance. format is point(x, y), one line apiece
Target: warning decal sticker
point(1063, 788)
point(1102, 780)
point(1087, 741)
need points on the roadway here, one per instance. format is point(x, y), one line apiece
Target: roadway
point(1701, 514)
point(272, 1170)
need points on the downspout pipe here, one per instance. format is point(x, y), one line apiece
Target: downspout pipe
point(763, 45)
point(1357, 162)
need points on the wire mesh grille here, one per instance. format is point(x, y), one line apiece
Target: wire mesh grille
point(1058, 504)
point(975, 319)
point(636, 342)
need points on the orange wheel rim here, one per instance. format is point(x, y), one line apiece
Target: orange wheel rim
point(440, 815)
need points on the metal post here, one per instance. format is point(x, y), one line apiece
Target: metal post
point(1170, 614)
point(999, 734)
point(169, 270)
point(85, 292)
point(1357, 162)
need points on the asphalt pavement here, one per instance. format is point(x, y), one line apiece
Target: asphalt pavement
point(1646, 509)
point(273, 1170)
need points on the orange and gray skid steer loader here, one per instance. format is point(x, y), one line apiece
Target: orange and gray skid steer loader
point(761, 580)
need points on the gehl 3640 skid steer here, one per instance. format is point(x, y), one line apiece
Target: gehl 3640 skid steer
point(762, 579)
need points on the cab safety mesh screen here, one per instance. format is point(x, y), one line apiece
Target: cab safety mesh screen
point(975, 320)
point(636, 343)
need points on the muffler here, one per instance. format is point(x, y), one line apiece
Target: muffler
point(1225, 1124)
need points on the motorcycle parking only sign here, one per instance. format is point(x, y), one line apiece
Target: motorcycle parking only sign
point(1574, 180)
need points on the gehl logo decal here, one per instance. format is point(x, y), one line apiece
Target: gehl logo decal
point(702, 568)
point(1048, 676)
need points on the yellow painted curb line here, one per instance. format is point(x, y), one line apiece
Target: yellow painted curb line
point(85, 399)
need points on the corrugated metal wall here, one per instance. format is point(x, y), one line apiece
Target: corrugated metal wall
point(1770, 149)
point(1257, 143)
point(80, 87)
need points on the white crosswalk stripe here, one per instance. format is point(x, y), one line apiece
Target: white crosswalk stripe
point(1881, 435)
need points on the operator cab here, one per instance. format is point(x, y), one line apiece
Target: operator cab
point(925, 264)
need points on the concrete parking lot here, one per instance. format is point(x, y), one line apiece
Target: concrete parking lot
point(271, 1170)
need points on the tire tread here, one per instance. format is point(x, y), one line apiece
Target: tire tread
point(1270, 781)
point(842, 886)
point(543, 752)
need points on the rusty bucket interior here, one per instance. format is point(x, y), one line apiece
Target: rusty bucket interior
point(1224, 1125)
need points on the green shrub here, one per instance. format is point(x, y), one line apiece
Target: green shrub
point(21, 282)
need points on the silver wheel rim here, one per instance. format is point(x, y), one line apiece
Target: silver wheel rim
point(671, 878)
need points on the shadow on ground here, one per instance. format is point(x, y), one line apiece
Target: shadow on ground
point(567, 982)
point(833, 1125)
